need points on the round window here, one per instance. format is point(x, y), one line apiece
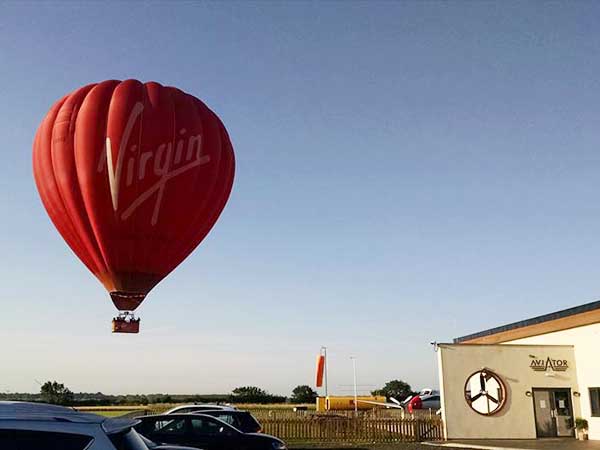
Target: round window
point(485, 392)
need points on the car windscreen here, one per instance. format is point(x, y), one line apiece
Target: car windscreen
point(128, 440)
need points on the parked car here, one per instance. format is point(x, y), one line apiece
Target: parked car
point(156, 446)
point(242, 420)
point(203, 431)
point(38, 426)
point(200, 407)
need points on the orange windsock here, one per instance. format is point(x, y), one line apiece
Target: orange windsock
point(320, 370)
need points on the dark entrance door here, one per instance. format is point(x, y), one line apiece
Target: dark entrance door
point(553, 412)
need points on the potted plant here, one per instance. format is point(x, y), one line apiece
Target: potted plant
point(581, 425)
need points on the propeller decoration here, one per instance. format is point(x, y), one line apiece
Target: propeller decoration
point(485, 392)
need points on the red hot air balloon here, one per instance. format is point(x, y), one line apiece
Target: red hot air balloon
point(134, 176)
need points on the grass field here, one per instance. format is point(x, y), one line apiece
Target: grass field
point(112, 411)
point(115, 411)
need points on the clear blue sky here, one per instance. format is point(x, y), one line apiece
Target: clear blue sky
point(406, 172)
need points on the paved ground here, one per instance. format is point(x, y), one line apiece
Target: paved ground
point(395, 446)
point(537, 444)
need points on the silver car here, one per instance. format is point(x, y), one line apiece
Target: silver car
point(38, 426)
point(184, 409)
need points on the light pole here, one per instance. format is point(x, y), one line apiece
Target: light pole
point(324, 353)
point(353, 358)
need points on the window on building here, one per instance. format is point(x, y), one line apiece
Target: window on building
point(595, 401)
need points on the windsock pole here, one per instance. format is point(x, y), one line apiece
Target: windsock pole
point(353, 358)
point(324, 352)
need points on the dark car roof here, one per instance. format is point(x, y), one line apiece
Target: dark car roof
point(165, 416)
point(43, 411)
point(46, 412)
point(14, 408)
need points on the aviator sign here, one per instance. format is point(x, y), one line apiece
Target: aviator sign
point(542, 365)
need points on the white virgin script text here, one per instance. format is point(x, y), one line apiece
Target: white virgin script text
point(167, 161)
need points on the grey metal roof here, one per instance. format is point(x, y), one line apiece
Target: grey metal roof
point(533, 321)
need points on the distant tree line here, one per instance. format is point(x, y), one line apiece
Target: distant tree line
point(253, 394)
point(58, 394)
point(397, 389)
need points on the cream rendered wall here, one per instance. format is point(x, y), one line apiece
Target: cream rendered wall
point(512, 363)
point(440, 352)
point(586, 340)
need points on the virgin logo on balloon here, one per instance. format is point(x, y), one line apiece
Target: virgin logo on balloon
point(165, 164)
point(134, 176)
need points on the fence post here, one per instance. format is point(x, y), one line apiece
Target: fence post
point(416, 430)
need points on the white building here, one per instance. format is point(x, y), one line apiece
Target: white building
point(525, 380)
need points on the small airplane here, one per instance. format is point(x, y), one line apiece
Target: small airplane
point(430, 399)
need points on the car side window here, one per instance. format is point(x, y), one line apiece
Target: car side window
point(172, 427)
point(36, 440)
point(227, 418)
point(205, 427)
point(247, 423)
